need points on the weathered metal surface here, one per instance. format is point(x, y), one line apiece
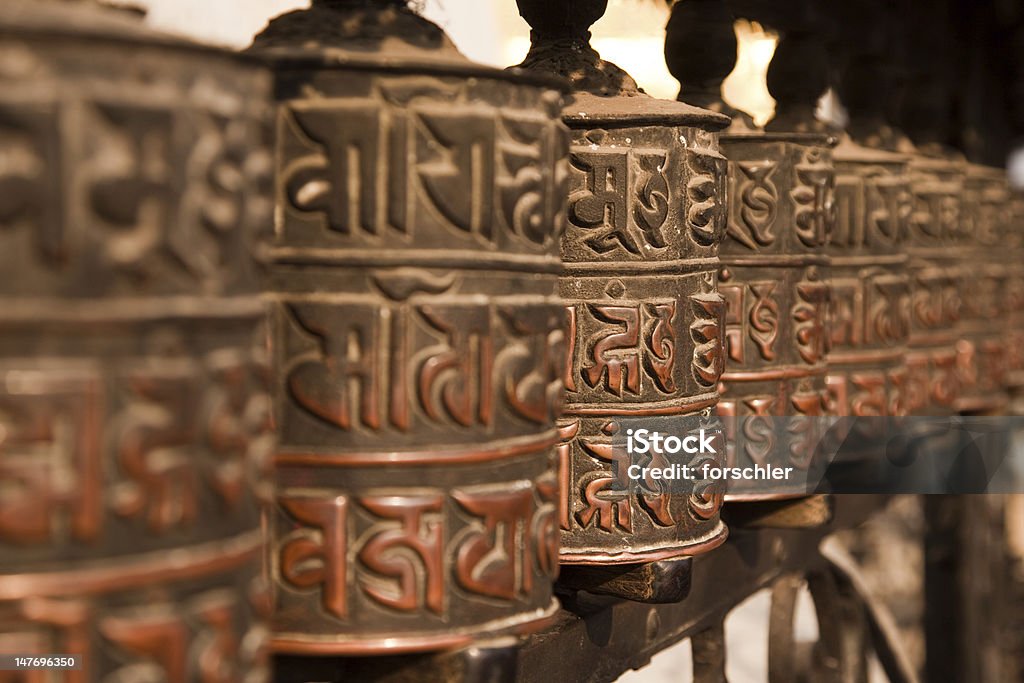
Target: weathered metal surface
point(870, 309)
point(775, 280)
point(661, 582)
point(981, 348)
point(135, 424)
point(647, 208)
point(419, 338)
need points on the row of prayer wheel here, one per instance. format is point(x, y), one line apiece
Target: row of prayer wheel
point(320, 350)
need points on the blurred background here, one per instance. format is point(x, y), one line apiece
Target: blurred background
point(631, 34)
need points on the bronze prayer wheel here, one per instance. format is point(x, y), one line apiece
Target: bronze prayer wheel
point(647, 209)
point(419, 341)
point(775, 280)
point(135, 426)
point(870, 309)
point(981, 348)
point(1014, 377)
point(936, 185)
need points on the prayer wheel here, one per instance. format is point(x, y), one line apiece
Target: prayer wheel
point(647, 211)
point(135, 428)
point(932, 383)
point(774, 274)
point(1014, 378)
point(775, 278)
point(981, 348)
point(870, 310)
point(419, 344)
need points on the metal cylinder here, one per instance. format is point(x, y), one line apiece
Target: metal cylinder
point(775, 280)
point(1014, 303)
point(981, 348)
point(419, 343)
point(647, 209)
point(135, 426)
point(932, 386)
point(870, 310)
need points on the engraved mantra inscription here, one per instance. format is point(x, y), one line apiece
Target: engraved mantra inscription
point(634, 344)
point(801, 402)
point(870, 310)
point(707, 333)
point(372, 166)
point(867, 393)
point(194, 639)
point(759, 321)
point(752, 318)
point(623, 198)
point(416, 539)
point(368, 372)
point(759, 204)
point(149, 209)
point(626, 349)
point(935, 303)
point(873, 210)
point(178, 436)
point(601, 202)
point(595, 499)
point(706, 192)
point(815, 199)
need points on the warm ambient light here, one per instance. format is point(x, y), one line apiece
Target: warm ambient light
point(746, 87)
point(642, 56)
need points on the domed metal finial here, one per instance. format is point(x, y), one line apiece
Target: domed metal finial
point(358, 28)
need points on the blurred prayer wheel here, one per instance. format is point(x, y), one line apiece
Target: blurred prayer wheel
point(775, 280)
point(419, 340)
point(134, 416)
point(774, 274)
point(981, 348)
point(932, 386)
point(647, 210)
point(870, 309)
point(1014, 238)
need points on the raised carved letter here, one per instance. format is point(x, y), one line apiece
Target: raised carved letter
point(488, 559)
point(307, 561)
point(408, 554)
